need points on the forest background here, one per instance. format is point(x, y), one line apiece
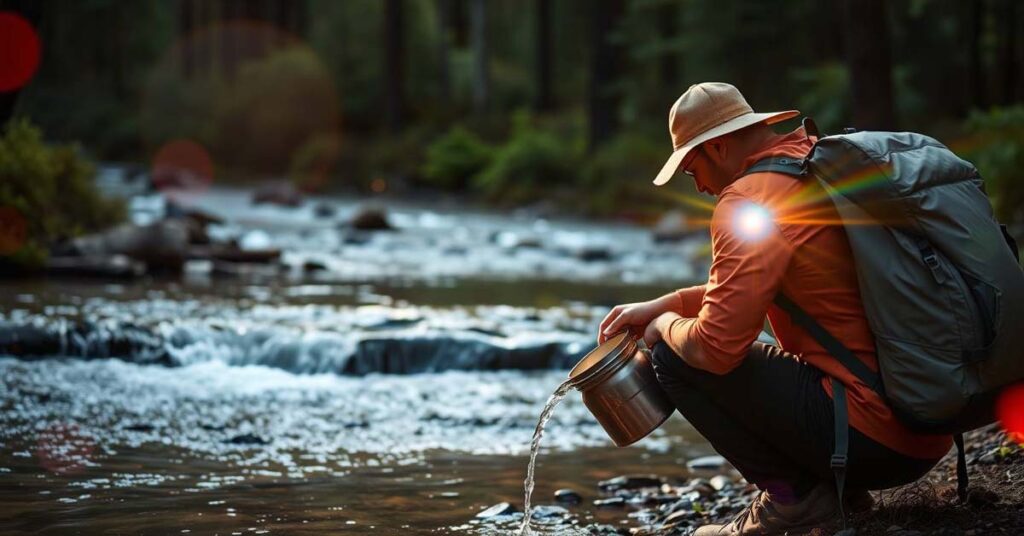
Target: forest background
point(507, 102)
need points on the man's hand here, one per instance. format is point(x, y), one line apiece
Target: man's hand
point(657, 328)
point(633, 316)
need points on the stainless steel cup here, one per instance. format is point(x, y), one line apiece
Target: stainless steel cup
point(619, 388)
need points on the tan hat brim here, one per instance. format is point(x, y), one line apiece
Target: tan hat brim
point(732, 125)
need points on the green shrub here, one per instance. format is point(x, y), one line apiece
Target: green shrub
point(49, 190)
point(313, 164)
point(529, 166)
point(996, 147)
point(618, 175)
point(455, 158)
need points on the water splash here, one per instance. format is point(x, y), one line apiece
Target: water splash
point(545, 415)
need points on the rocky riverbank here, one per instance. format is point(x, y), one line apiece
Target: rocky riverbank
point(657, 505)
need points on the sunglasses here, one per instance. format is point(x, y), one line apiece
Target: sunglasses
point(690, 158)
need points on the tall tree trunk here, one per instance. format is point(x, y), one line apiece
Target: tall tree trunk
point(1006, 59)
point(481, 64)
point(667, 71)
point(186, 27)
point(542, 61)
point(870, 64)
point(393, 68)
point(978, 89)
point(444, 21)
point(604, 66)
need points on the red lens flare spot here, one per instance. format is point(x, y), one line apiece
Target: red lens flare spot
point(1010, 412)
point(62, 449)
point(182, 167)
point(13, 230)
point(19, 51)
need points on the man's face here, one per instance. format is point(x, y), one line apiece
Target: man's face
point(697, 167)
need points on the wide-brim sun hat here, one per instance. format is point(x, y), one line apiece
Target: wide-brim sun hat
point(704, 112)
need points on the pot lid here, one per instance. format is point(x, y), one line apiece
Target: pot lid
point(601, 356)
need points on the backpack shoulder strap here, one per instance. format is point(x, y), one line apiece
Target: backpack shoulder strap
point(786, 165)
point(837, 349)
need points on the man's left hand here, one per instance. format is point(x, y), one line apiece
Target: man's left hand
point(658, 327)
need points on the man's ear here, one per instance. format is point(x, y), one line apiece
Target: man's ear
point(716, 149)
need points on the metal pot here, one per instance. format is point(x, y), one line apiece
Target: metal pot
point(619, 388)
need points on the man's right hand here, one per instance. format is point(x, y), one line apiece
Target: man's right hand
point(631, 316)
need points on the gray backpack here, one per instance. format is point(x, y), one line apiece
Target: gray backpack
point(939, 277)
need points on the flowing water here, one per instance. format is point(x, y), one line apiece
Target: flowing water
point(392, 392)
point(545, 416)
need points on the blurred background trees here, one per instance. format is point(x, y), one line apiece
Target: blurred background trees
point(510, 101)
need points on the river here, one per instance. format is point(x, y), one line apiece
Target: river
point(394, 390)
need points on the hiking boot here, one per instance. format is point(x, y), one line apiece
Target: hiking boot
point(768, 517)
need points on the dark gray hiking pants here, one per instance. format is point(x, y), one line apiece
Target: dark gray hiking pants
point(772, 419)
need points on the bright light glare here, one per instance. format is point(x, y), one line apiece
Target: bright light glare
point(752, 222)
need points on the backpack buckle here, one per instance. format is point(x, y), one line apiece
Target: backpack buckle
point(838, 461)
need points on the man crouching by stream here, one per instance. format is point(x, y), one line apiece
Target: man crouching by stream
point(768, 409)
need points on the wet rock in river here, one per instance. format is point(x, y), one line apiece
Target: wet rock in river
point(720, 482)
point(672, 227)
point(594, 254)
point(247, 439)
point(707, 463)
point(323, 210)
point(548, 512)
point(628, 482)
point(371, 219)
point(498, 510)
point(282, 193)
point(567, 496)
point(610, 502)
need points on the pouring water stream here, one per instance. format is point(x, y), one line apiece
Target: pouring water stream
point(545, 415)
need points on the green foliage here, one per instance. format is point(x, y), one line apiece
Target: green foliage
point(531, 164)
point(454, 159)
point(274, 106)
point(618, 176)
point(51, 190)
point(997, 149)
point(313, 164)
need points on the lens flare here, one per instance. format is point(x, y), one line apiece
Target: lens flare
point(752, 222)
point(182, 168)
point(1010, 412)
point(63, 449)
point(19, 51)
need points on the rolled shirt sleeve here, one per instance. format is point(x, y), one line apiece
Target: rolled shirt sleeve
point(749, 258)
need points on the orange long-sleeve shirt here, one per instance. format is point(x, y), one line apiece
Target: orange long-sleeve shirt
point(771, 232)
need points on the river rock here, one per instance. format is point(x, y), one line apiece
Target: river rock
point(323, 210)
point(162, 245)
point(247, 439)
point(281, 193)
point(310, 266)
point(371, 219)
point(610, 502)
point(545, 511)
point(500, 509)
point(567, 496)
point(106, 267)
point(593, 254)
point(707, 463)
point(720, 482)
point(629, 482)
point(671, 227)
